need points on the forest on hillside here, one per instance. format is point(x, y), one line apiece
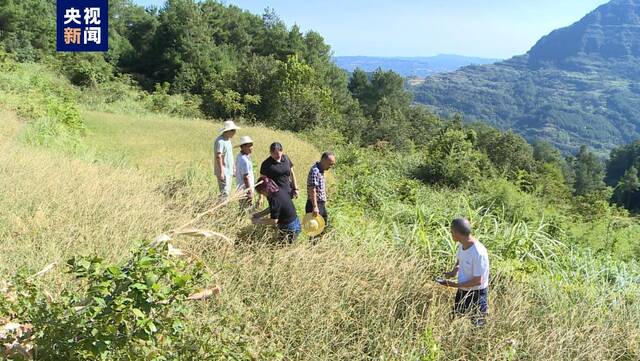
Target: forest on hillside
point(222, 61)
point(576, 86)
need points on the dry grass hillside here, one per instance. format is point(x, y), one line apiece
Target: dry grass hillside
point(354, 295)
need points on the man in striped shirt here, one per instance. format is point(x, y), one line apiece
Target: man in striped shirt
point(317, 186)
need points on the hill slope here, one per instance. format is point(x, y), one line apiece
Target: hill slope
point(577, 85)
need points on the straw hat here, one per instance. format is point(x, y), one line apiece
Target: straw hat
point(229, 125)
point(312, 226)
point(245, 140)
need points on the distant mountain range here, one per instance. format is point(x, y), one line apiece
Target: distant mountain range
point(418, 66)
point(577, 85)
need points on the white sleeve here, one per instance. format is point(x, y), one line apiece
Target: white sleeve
point(480, 265)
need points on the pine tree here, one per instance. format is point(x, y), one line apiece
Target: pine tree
point(589, 172)
point(627, 187)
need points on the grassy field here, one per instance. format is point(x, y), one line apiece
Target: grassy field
point(168, 146)
point(357, 294)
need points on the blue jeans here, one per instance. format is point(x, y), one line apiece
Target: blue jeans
point(289, 232)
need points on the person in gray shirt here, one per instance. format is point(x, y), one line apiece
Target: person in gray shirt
point(223, 162)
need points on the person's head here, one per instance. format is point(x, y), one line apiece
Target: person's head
point(246, 145)
point(229, 129)
point(328, 160)
point(461, 229)
point(229, 134)
point(266, 186)
point(246, 148)
point(276, 150)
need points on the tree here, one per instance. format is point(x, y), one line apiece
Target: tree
point(620, 159)
point(27, 27)
point(508, 152)
point(389, 124)
point(545, 152)
point(627, 189)
point(451, 159)
point(550, 183)
point(390, 85)
point(360, 88)
point(589, 172)
point(297, 100)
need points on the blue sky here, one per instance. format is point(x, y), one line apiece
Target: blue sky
point(486, 28)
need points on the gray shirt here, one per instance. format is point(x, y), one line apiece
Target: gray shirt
point(224, 147)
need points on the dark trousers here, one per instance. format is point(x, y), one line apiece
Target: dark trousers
point(473, 303)
point(308, 208)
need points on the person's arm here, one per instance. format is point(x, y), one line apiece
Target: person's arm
point(312, 191)
point(248, 186)
point(260, 196)
point(219, 173)
point(475, 281)
point(261, 214)
point(313, 197)
point(454, 271)
point(294, 184)
point(219, 161)
point(244, 167)
point(273, 211)
point(265, 221)
point(263, 170)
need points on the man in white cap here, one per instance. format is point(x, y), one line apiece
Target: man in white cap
point(223, 157)
point(244, 171)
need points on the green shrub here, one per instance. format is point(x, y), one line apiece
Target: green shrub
point(130, 311)
point(505, 199)
point(187, 105)
point(86, 70)
point(451, 160)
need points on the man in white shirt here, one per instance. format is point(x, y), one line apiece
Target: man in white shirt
point(472, 269)
point(244, 171)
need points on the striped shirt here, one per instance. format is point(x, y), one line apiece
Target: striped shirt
point(317, 181)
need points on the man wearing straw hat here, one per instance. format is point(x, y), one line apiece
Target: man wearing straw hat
point(223, 157)
point(317, 192)
point(244, 171)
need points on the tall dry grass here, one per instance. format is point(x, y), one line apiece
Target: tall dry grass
point(355, 295)
point(54, 206)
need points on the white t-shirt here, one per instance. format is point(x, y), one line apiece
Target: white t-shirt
point(473, 262)
point(244, 166)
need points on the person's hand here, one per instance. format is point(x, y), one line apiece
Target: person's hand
point(315, 212)
point(448, 283)
point(294, 193)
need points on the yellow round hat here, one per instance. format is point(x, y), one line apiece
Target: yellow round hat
point(312, 226)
